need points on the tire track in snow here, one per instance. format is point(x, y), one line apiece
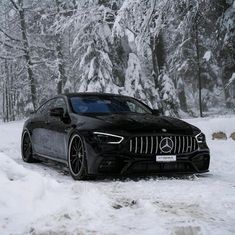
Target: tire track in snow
point(45, 196)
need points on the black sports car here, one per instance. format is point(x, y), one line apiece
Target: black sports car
point(101, 134)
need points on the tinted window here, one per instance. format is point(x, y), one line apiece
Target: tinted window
point(115, 104)
point(44, 109)
point(59, 103)
point(54, 103)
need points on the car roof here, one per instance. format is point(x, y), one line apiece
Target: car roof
point(84, 94)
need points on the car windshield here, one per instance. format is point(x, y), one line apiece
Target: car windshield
point(115, 104)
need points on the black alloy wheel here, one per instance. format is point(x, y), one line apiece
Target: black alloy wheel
point(26, 148)
point(77, 158)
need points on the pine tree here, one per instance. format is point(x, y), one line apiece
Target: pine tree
point(168, 95)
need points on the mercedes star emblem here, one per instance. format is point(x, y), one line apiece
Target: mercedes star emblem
point(166, 145)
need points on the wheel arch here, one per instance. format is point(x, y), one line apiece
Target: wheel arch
point(26, 130)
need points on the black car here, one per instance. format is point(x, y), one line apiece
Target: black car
point(105, 134)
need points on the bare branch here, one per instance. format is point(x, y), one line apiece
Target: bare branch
point(15, 5)
point(11, 58)
point(10, 37)
point(11, 46)
point(41, 47)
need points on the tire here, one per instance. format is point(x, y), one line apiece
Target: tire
point(77, 161)
point(26, 148)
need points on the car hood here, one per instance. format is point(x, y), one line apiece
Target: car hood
point(143, 123)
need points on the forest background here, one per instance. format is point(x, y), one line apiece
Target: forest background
point(177, 56)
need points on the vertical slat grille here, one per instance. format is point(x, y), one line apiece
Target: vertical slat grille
point(131, 145)
point(183, 143)
point(136, 144)
point(156, 148)
point(175, 141)
point(147, 144)
point(151, 144)
point(179, 145)
point(141, 145)
point(151, 151)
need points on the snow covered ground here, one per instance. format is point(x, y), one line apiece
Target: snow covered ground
point(39, 199)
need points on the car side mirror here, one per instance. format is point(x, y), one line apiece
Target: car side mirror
point(57, 112)
point(156, 112)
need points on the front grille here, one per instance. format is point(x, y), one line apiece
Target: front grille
point(151, 144)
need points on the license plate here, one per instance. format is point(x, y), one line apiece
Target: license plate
point(165, 158)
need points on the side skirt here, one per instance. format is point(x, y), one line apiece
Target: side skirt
point(45, 157)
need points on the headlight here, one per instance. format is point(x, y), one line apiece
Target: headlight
point(201, 138)
point(106, 138)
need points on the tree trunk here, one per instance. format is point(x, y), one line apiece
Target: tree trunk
point(12, 97)
point(182, 99)
point(6, 91)
point(27, 55)
point(7, 103)
point(156, 70)
point(198, 65)
point(61, 70)
point(3, 102)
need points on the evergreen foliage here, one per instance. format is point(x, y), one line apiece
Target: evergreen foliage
point(163, 52)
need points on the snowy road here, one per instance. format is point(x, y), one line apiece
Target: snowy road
point(38, 199)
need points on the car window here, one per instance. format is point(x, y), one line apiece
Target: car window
point(135, 108)
point(44, 109)
point(59, 103)
point(109, 104)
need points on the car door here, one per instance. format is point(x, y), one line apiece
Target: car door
point(40, 136)
point(57, 129)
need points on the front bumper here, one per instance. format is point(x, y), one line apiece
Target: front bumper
point(115, 160)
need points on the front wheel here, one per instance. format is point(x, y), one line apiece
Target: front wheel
point(77, 158)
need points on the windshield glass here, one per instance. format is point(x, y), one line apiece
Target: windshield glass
point(115, 104)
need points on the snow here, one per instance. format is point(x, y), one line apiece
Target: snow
point(130, 35)
point(231, 80)
point(207, 55)
point(44, 199)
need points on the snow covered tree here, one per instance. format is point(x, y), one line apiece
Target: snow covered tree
point(91, 48)
point(168, 95)
point(225, 49)
point(167, 53)
point(133, 27)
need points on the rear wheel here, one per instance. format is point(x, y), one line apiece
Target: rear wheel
point(77, 158)
point(26, 148)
